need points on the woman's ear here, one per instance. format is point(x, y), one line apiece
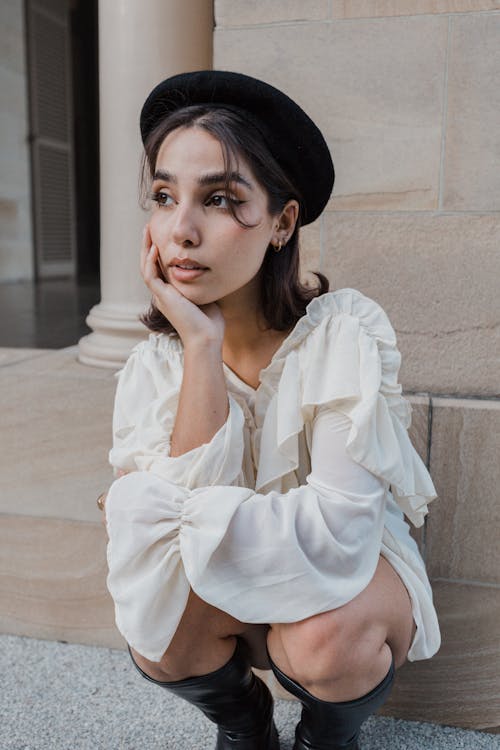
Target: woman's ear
point(287, 220)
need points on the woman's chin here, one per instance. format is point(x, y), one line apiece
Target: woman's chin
point(196, 296)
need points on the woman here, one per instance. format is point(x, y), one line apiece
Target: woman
point(262, 438)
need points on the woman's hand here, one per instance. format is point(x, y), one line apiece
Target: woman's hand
point(194, 324)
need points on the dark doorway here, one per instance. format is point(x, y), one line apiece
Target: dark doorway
point(62, 52)
point(84, 37)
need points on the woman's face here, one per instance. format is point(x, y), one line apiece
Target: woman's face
point(191, 224)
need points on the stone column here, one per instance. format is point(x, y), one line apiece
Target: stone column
point(139, 45)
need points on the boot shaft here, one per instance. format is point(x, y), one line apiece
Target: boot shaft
point(326, 725)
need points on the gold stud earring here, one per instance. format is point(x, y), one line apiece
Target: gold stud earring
point(278, 247)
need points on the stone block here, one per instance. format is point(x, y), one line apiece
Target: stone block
point(460, 685)
point(472, 153)
point(419, 428)
point(53, 581)
point(353, 80)
point(463, 529)
point(378, 8)
point(436, 276)
point(56, 425)
point(256, 12)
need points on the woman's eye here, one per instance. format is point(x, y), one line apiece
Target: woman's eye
point(222, 201)
point(162, 199)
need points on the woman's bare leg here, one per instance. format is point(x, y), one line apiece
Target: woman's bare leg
point(343, 654)
point(204, 641)
point(338, 655)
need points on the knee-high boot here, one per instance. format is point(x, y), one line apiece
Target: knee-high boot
point(333, 726)
point(235, 699)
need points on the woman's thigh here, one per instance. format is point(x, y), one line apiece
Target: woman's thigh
point(203, 642)
point(386, 600)
point(346, 636)
point(383, 610)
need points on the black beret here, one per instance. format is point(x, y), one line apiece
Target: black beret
point(291, 136)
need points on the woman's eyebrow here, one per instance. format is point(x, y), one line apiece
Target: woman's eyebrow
point(162, 174)
point(214, 178)
point(218, 177)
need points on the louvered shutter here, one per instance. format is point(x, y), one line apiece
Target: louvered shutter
point(51, 137)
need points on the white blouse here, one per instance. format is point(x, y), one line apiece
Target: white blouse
point(284, 513)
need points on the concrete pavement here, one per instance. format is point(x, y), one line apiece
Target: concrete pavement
point(58, 696)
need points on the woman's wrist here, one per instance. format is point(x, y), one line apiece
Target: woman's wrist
point(203, 399)
point(203, 345)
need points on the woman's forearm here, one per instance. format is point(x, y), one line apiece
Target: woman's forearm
point(203, 400)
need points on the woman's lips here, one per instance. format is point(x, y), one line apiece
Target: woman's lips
point(186, 269)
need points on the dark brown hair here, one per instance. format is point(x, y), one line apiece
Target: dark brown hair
point(283, 297)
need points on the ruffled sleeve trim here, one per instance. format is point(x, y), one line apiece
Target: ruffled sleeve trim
point(342, 355)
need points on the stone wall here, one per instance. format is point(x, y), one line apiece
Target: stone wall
point(406, 93)
point(16, 254)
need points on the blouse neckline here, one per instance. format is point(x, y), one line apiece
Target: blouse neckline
point(298, 332)
point(241, 383)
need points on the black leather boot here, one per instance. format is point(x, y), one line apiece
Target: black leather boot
point(233, 698)
point(333, 726)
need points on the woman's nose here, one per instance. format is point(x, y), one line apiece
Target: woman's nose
point(185, 230)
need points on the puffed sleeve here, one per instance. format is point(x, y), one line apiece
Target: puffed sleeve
point(146, 402)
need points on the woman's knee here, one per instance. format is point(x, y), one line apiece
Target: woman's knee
point(203, 641)
point(325, 647)
point(192, 658)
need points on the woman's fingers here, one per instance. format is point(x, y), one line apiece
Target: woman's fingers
point(151, 268)
point(145, 245)
point(149, 271)
point(165, 296)
point(152, 273)
point(149, 261)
